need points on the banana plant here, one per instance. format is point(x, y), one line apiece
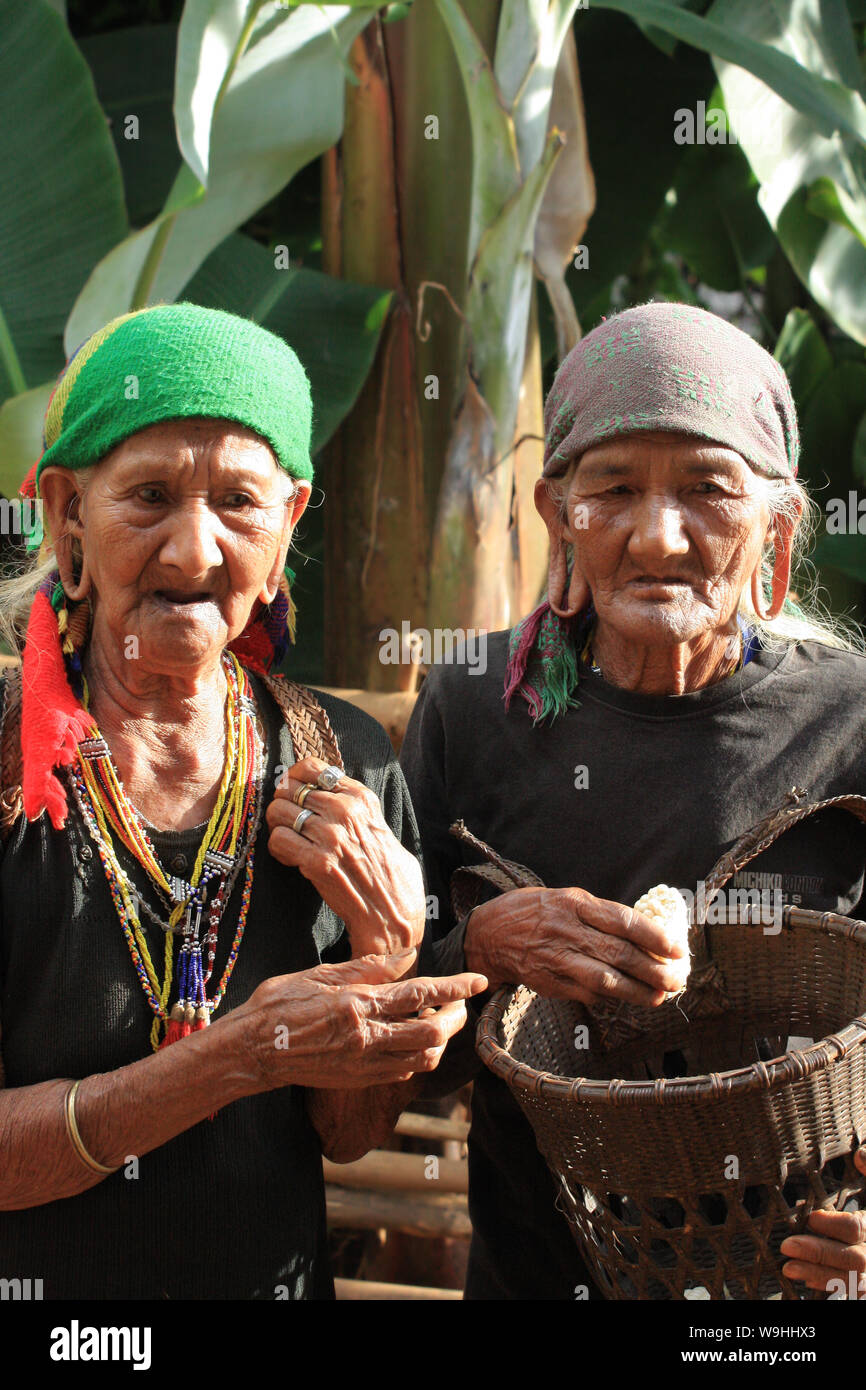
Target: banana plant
point(443, 188)
point(459, 175)
point(514, 150)
point(792, 83)
point(258, 94)
point(462, 235)
point(54, 226)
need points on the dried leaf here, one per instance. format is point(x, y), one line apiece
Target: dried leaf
point(569, 198)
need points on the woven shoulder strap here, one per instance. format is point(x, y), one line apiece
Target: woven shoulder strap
point(306, 721)
point(11, 802)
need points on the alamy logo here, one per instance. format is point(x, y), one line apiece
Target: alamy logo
point(846, 516)
point(20, 518)
point(21, 1290)
point(703, 127)
point(77, 1343)
point(444, 645)
point(762, 905)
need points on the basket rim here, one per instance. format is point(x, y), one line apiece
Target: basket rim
point(758, 1076)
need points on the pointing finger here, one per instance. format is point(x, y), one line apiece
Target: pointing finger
point(410, 996)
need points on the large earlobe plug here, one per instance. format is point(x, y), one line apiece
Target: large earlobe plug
point(576, 596)
point(781, 573)
point(295, 507)
point(271, 586)
point(757, 592)
point(75, 587)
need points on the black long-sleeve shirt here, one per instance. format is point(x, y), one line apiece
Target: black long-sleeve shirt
point(668, 784)
point(234, 1207)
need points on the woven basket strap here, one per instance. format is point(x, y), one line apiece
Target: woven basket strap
point(469, 883)
point(762, 835)
point(11, 802)
point(307, 722)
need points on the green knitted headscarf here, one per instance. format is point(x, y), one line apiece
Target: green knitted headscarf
point(171, 362)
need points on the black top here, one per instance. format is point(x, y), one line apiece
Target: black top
point(233, 1207)
point(622, 793)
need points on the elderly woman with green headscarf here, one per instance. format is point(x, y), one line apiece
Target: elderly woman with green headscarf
point(184, 834)
point(662, 700)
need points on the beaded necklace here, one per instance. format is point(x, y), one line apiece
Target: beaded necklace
point(228, 841)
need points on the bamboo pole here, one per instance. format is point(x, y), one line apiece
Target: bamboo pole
point(385, 1171)
point(433, 1127)
point(409, 1213)
point(370, 1289)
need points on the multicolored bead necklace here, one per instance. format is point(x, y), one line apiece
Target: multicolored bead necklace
point(228, 841)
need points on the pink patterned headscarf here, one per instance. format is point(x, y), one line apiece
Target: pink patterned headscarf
point(672, 367)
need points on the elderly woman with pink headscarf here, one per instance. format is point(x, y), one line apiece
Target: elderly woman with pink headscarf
point(662, 700)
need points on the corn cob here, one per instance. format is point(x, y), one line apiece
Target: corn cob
point(667, 908)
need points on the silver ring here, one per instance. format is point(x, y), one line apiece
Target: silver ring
point(329, 777)
point(300, 821)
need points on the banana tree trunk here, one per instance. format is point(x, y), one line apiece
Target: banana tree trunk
point(430, 520)
point(376, 534)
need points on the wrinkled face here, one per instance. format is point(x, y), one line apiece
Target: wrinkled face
point(185, 526)
point(667, 531)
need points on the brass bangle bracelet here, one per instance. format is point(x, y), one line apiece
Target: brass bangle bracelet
point(74, 1136)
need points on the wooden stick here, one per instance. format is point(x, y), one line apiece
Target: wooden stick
point(386, 1171)
point(368, 1288)
point(413, 1215)
point(432, 1127)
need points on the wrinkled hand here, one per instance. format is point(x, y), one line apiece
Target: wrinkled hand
point(566, 944)
point(351, 1025)
point(352, 859)
point(837, 1247)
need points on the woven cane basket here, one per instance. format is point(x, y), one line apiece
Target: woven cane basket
point(702, 1133)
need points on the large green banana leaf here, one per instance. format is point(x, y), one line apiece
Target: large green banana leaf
point(713, 218)
point(755, 36)
point(61, 195)
point(133, 70)
point(813, 182)
point(830, 394)
point(281, 107)
point(21, 419)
